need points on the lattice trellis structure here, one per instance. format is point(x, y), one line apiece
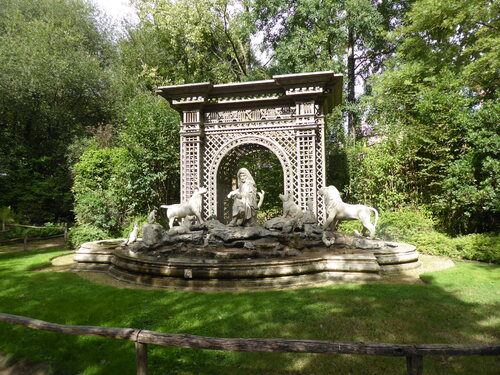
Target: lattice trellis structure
point(222, 123)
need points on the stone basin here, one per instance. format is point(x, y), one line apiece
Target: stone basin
point(249, 259)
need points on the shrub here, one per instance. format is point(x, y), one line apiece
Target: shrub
point(99, 188)
point(85, 233)
point(484, 247)
point(19, 232)
point(396, 226)
point(131, 221)
point(434, 243)
point(403, 225)
point(417, 228)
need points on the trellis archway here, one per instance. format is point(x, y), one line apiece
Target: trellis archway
point(284, 115)
point(224, 168)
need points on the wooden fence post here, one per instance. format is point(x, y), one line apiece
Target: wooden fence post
point(65, 232)
point(414, 365)
point(141, 358)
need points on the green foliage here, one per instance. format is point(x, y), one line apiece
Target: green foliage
point(55, 82)
point(482, 247)
point(437, 120)
point(150, 136)
point(19, 232)
point(85, 233)
point(420, 229)
point(6, 216)
point(140, 220)
point(376, 176)
point(312, 35)
point(401, 225)
point(184, 42)
point(348, 37)
point(139, 173)
point(98, 187)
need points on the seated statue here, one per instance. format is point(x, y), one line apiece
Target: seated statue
point(245, 205)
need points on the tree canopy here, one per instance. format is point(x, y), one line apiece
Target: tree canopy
point(437, 101)
point(81, 132)
point(54, 83)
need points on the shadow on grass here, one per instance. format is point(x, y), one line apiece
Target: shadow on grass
point(448, 310)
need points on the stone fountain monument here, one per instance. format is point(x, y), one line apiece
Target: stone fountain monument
point(213, 241)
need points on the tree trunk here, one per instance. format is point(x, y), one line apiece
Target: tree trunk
point(351, 83)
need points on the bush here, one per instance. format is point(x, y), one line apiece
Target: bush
point(19, 232)
point(85, 233)
point(396, 226)
point(417, 228)
point(133, 175)
point(139, 220)
point(434, 243)
point(484, 247)
point(99, 188)
point(403, 225)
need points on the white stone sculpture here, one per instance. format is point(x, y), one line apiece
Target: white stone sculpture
point(182, 228)
point(290, 209)
point(245, 205)
point(182, 210)
point(152, 217)
point(338, 211)
point(132, 236)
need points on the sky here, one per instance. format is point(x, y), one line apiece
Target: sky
point(116, 9)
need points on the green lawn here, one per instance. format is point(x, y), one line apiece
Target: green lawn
point(458, 305)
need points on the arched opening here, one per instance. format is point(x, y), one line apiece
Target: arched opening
point(266, 170)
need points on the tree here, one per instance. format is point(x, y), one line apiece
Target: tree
point(185, 41)
point(54, 83)
point(150, 134)
point(343, 36)
point(437, 101)
point(135, 172)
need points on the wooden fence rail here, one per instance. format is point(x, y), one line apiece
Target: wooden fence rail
point(27, 238)
point(32, 226)
point(414, 353)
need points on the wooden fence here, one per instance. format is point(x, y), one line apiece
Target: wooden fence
point(414, 353)
point(27, 238)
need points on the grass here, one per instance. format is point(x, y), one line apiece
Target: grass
point(457, 305)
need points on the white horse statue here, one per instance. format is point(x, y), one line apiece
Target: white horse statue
point(337, 211)
point(183, 210)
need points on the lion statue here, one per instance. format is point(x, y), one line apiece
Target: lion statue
point(337, 211)
point(183, 210)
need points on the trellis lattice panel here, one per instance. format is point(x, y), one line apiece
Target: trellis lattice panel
point(223, 122)
point(233, 145)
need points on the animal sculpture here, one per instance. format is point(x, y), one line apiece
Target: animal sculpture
point(290, 209)
point(338, 211)
point(182, 210)
point(132, 237)
point(152, 217)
